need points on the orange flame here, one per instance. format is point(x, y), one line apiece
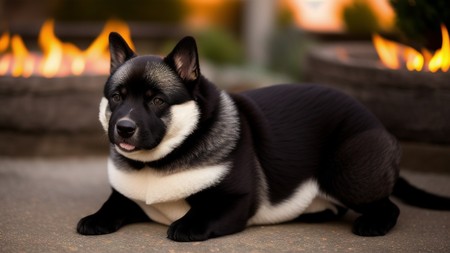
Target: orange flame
point(441, 59)
point(4, 41)
point(387, 51)
point(58, 58)
point(21, 67)
point(393, 55)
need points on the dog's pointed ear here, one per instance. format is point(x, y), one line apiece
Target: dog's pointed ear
point(184, 59)
point(119, 50)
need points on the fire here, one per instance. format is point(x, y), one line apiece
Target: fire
point(58, 58)
point(393, 55)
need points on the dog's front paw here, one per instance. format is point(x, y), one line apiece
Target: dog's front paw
point(185, 230)
point(97, 225)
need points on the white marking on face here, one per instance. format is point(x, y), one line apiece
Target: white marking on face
point(104, 113)
point(183, 121)
point(152, 186)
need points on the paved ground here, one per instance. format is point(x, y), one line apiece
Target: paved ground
point(42, 200)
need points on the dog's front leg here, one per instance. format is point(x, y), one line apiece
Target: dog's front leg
point(211, 218)
point(116, 212)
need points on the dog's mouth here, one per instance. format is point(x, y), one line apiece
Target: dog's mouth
point(126, 147)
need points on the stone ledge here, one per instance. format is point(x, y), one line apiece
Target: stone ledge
point(67, 104)
point(22, 144)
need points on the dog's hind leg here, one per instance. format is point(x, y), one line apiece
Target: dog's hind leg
point(116, 212)
point(362, 177)
point(377, 218)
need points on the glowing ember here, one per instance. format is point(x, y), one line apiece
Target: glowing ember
point(58, 58)
point(393, 55)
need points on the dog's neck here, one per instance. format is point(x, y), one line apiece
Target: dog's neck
point(211, 142)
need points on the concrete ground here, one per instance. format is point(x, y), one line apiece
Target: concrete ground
point(42, 199)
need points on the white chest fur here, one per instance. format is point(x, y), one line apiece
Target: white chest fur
point(165, 213)
point(164, 191)
point(151, 186)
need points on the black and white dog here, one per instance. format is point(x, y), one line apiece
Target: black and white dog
point(208, 163)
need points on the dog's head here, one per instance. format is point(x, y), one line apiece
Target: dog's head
point(149, 107)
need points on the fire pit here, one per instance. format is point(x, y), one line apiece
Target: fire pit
point(49, 100)
point(412, 105)
point(39, 104)
point(49, 116)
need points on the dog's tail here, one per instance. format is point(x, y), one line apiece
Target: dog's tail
point(414, 196)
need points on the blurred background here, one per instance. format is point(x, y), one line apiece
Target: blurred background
point(273, 34)
point(54, 59)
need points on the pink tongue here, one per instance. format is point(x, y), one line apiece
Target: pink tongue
point(126, 146)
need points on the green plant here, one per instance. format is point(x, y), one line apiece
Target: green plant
point(360, 19)
point(219, 46)
point(288, 50)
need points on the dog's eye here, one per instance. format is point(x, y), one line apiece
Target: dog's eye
point(116, 98)
point(158, 101)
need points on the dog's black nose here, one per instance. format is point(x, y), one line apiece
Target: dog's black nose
point(126, 128)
